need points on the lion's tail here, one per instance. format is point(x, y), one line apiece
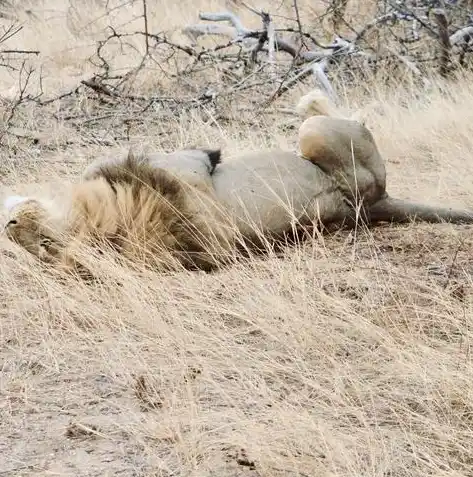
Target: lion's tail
point(316, 103)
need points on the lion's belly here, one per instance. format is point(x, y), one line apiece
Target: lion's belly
point(189, 165)
point(272, 188)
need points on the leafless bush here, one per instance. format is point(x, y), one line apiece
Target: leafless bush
point(254, 67)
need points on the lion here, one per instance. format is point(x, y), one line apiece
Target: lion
point(192, 209)
point(337, 177)
point(345, 148)
point(131, 206)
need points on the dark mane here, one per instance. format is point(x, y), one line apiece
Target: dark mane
point(136, 172)
point(171, 205)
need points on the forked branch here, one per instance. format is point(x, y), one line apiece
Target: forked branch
point(268, 39)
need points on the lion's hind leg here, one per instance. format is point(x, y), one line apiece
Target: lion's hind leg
point(346, 151)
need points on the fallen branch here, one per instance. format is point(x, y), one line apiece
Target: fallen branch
point(313, 61)
point(226, 17)
point(239, 33)
point(94, 85)
point(462, 40)
point(200, 29)
point(462, 36)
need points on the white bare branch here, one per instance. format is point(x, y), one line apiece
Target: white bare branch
point(463, 36)
point(226, 17)
point(271, 42)
point(266, 39)
point(238, 32)
point(319, 70)
point(201, 29)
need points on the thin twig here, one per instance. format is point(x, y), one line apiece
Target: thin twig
point(99, 88)
point(445, 45)
point(23, 52)
point(298, 20)
point(23, 83)
point(145, 18)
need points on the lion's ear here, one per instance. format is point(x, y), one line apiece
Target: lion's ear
point(14, 200)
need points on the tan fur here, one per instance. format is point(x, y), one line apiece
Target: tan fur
point(144, 213)
point(347, 151)
point(184, 207)
point(316, 103)
point(33, 225)
point(339, 176)
point(341, 145)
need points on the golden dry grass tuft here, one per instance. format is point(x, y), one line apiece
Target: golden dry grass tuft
point(348, 355)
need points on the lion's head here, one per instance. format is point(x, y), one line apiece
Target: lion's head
point(32, 225)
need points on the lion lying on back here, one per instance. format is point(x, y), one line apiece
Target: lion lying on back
point(140, 211)
point(188, 208)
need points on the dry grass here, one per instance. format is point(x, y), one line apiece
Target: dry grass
point(347, 356)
